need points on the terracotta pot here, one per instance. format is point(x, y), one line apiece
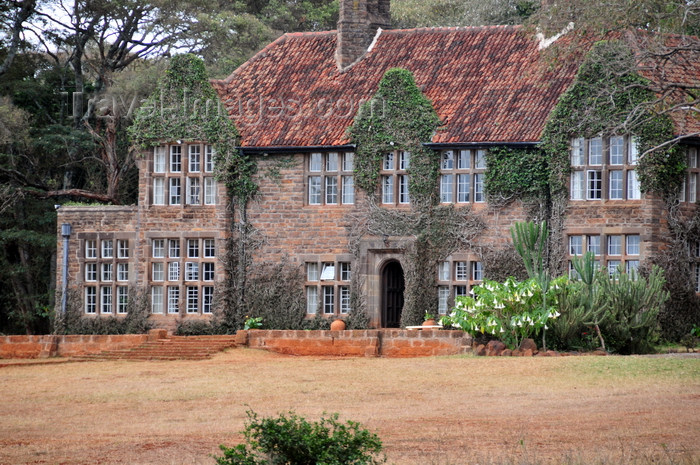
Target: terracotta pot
point(338, 325)
point(430, 322)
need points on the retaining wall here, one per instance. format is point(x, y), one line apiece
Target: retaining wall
point(363, 343)
point(65, 346)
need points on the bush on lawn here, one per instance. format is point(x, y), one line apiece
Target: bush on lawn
point(290, 439)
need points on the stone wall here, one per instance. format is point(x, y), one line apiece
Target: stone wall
point(66, 346)
point(362, 343)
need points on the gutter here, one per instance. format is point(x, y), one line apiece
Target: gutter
point(260, 150)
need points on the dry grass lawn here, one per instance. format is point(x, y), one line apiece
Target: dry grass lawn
point(451, 410)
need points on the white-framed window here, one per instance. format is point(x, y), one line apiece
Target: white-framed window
point(311, 299)
point(330, 178)
point(195, 158)
point(122, 299)
point(446, 188)
point(192, 248)
point(477, 271)
point(157, 271)
point(158, 248)
point(576, 245)
point(122, 271)
point(387, 189)
point(174, 191)
point(344, 292)
point(394, 178)
point(90, 248)
point(173, 271)
point(633, 190)
point(174, 248)
point(209, 191)
point(156, 299)
point(207, 299)
point(90, 299)
point(444, 271)
point(595, 151)
point(577, 186)
point(175, 159)
point(443, 299)
point(191, 271)
point(209, 155)
point(633, 243)
point(328, 272)
point(594, 185)
point(314, 190)
point(603, 168)
point(184, 186)
point(312, 271)
point(327, 286)
point(620, 250)
point(192, 299)
point(462, 175)
point(328, 299)
point(208, 271)
point(107, 248)
point(122, 248)
point(91, 272)
point(106, 299)
point(616, 184)
point(159, 159)
point(593, 244)
point(107, 272)
point(614, 245)
point(617, 150)
point(578, 153)
point(345, 272)
point(193, 191)
point(158, 191)
point(479, 187)
point(173, 299)
point(209, 246)
point(461, 270)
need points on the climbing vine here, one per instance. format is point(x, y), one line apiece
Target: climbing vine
point(401, 118)
point(515, 174)
point(186, 107)
point(608, 98)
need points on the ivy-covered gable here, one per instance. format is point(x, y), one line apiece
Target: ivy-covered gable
point(398, 117)
point(609, 97)
point(186, 107)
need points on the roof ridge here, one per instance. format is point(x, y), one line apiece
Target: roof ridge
point(453, 28)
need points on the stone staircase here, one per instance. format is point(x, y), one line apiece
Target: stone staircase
point(170, 348)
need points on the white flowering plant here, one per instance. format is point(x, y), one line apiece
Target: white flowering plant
point(511, 310)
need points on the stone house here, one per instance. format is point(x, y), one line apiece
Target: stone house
point(293, 103)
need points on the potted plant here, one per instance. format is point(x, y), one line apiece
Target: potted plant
point(429, 319)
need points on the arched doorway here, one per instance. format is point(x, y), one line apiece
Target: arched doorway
point(392, 294)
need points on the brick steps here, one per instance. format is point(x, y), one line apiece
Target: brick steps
point(172, 348)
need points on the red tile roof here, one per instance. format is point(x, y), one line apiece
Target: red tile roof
point(487, 84)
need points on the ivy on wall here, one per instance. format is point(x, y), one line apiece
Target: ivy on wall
point(515, 174)
point(400, 117)
point(186, 107)
point(608, 97)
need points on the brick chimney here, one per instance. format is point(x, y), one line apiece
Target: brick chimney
point(357, 26)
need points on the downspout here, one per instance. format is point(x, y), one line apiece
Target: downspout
point(65, 232)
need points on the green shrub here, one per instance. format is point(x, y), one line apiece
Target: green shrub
point(290, 439)
point(197, 328)
point(633, 304)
